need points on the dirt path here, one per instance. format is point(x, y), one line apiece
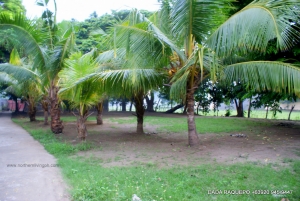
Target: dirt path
point(19, 180)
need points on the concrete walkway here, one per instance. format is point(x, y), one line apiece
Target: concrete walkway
point(19, 179)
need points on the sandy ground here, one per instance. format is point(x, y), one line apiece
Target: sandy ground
point(19, 179)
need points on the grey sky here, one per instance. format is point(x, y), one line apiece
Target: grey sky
point(81, 9)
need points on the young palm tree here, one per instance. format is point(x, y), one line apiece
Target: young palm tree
point(84, 95)
point(127, 77)
point(24, 82)
point(135, 65)
point(203, 34)
point(47, 46)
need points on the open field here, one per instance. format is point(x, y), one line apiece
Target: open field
point(115, 163)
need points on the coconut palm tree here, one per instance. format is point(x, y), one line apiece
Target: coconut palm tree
point(84, 95)
point(123, 76)
point(268, 20)
point(24, 82)
point(47, 46)
point(201, 35)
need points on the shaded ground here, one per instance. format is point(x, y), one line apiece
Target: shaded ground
point(118, 145)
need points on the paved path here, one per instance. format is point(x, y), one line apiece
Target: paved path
point(17, 147)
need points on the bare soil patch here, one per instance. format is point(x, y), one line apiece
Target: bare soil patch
point(118, 145)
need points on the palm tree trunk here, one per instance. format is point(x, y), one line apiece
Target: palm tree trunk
point(292, 108)
point(81, 127)
point(267, 112)
point(249, 108)
point(172, 110)
point(56, 124)
point(239, 108)
point(31, 111)
point(198, 105)
point(99, 108)
point(157, 105)
point(105, 105)
point(46, 112)
point(150, 102)
point(124, 104)
point(140, 110)
point(192, 132)
point(46, 115)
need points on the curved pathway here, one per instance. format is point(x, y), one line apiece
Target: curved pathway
point(21, 176)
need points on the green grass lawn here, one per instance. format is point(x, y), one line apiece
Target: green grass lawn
point(204, 124)
point(92, 182)
point(261, 114)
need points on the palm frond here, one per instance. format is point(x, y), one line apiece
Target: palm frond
point(164, 13)
point(254, 26)
point(129, 81)
point(21, 32)
point(198, 18)
point(18, 72)
point(83, 94)
point(265, 75)
point(62, 50)
point(178, 88)
point(144, 36)
point(6, 79)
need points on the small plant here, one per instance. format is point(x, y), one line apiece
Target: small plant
point(227, 113)
point(228, 108)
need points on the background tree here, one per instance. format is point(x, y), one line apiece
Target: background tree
point(93, 32)
point(216, 95)
point(202, 98)
point(236, 92)
point(270, 101)
point(150, 101)
point(13, 6)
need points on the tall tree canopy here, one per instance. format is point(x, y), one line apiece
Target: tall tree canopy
point(92, 32)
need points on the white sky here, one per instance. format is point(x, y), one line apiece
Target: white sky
point(81, 9)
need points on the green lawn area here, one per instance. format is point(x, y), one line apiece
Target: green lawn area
point(204, 124)
point(295, 115)
point(90, 181)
